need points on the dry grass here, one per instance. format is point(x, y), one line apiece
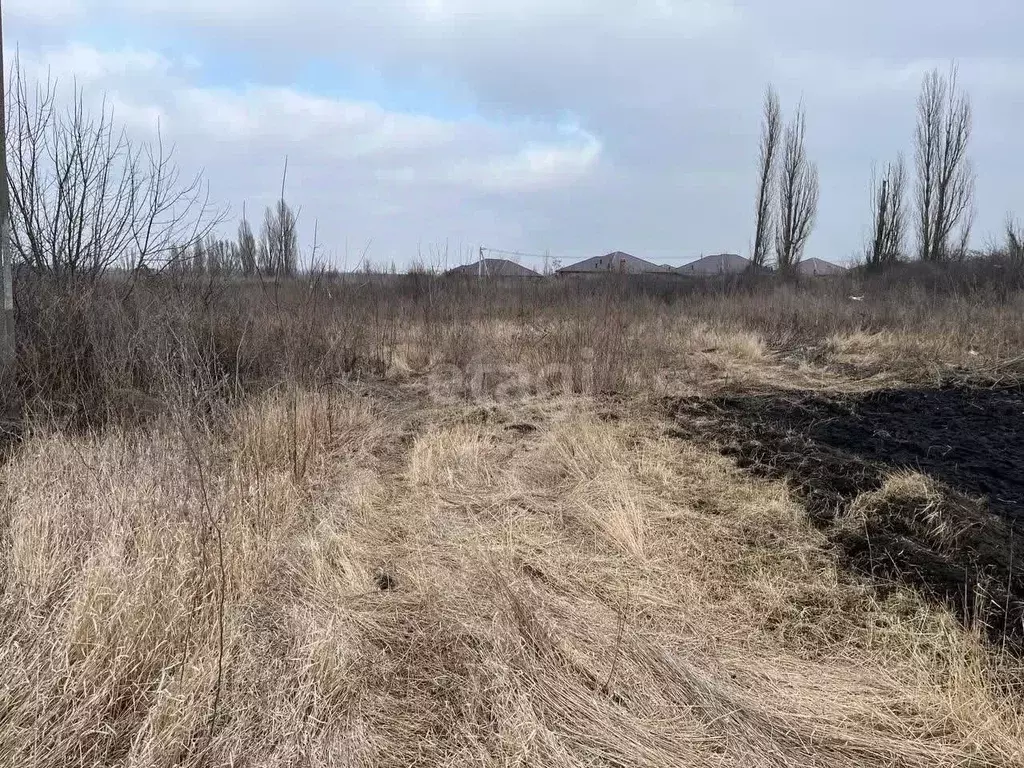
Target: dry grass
point(912, 357)
point(113, 353)
point(342, 577)
point(266, 526)
point(909, 491)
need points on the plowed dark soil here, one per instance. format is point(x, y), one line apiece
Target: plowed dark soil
point(832, 448)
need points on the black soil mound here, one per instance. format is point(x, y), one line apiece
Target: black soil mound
point(957, 545)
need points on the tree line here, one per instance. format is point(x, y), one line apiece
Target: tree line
point(85, 197)
point(939, 215)
point(275, 252)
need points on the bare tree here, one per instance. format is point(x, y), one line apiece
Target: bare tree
point(1014, 241)
point(198, 264)
point(247, 249)
point(221, 256)
point(888, 198)
point(798, 196)
point(279, 241)
point(84, 195)
point(178, 259)
point(771, 136)
point(926, 149)
point(945, 179)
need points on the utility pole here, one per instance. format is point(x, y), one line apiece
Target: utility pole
point(6, 278)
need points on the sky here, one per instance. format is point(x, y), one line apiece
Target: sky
point(424, 129)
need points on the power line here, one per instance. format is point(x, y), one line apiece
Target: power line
point(484, 249)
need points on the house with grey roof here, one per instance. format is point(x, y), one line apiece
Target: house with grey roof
point(615, 262)
point(818, 267)
point(716, 264)
point(493, 268)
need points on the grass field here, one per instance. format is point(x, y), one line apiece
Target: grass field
point(436, 523)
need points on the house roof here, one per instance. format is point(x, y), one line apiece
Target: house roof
point(716, 264)
point(494, 268)
point(818, 267)
point(617, 261)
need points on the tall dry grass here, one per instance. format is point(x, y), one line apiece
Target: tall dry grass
point(244, 527)
point(122, 351)
point(333, 579)
point(130, 353)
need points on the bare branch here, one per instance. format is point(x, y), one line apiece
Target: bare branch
point(85, 196)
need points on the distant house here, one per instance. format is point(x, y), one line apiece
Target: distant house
point(493, 268)
point(818, 267)
point(717, 264)
point(613, 262)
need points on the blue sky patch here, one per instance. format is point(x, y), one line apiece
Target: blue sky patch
point(232, 66)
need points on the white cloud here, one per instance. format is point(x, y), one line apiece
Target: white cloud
point(44, 11)
point(88, 65)
point(535, 167)
point(847, 76)
point(696, 14)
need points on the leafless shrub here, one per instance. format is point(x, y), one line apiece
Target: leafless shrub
point(95, 353)
point(798, 196)
point(945, 179)
point(84, 195)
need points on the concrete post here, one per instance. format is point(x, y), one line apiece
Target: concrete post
point(6, 278)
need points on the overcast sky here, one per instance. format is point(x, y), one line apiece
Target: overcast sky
point(571, 126)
